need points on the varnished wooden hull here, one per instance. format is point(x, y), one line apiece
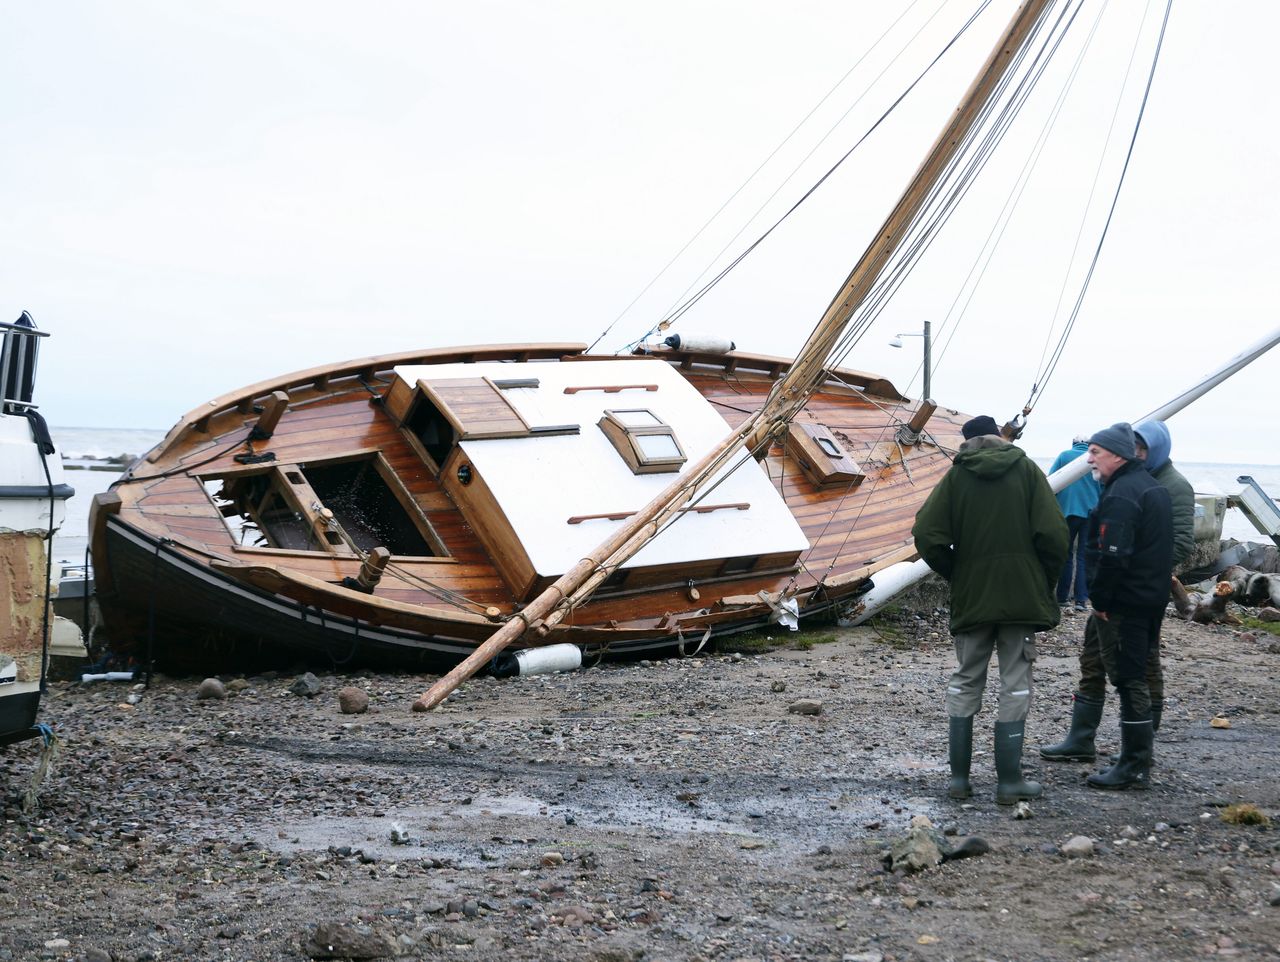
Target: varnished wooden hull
point(175, 587)
point(191, 619)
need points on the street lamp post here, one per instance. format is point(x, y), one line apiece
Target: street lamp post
point(928, 357)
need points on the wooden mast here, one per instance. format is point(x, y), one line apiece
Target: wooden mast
point(789, 394)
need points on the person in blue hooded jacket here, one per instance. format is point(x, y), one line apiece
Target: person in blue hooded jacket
point(1076, 500)
point(1153, 444)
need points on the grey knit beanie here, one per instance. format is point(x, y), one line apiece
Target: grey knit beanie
point(1118, 439)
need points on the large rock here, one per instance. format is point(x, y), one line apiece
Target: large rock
point(339, 940)
point(211, 689)
point(1078, 847)
point(308, 686)
point(805, 706)
point(915, 851)
point(353, 701)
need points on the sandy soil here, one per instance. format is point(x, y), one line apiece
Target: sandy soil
point(659, 810)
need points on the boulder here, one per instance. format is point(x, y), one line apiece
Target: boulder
point(353, 701)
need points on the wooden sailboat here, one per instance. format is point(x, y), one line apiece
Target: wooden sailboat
point(479, 505)
point(406, 508)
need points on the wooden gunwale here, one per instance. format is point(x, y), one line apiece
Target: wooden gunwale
point(320, 379)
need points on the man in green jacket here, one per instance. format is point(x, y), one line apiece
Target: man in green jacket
point(992, 528)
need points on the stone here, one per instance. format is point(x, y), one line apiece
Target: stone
point(237, 685)
point(340, 940)
point(552, 858)
point(914, 852)
point(582, 913)
point(862, 957)
point(805, 706)
point(1217, 721)
point(96, 954)
point(1078, 846)
point(921, 821)
point(58, 945)
point(211, 689)
point(970, 846)
point(778, 686)
point(1130, 832)
point(353, 701)
point(1269, 614)
point(307, 686)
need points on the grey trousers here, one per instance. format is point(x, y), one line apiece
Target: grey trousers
point(1015, 647)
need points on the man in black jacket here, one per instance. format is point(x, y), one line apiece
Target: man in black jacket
point(1129, 560)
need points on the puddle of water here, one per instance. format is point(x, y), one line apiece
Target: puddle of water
point(494, 827)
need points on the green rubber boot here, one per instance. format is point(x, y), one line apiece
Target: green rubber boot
point(960, 754)
point(1010, 785)
point(1086, 715)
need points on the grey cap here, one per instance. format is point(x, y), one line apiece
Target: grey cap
point(1118, 439)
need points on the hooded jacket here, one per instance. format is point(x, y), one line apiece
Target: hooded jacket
point(992, 528)
point(1129, 548)
point(1182, 496)
point(1079, 497)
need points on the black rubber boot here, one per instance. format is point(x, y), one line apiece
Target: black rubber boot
point(960, 754)
point(1157, 711)
point(1133, 771)
point(1086, 715)
point(1010, 786)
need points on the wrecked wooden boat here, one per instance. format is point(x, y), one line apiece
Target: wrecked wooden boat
point(397, 509)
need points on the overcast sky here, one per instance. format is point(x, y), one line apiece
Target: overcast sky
point(200, 196)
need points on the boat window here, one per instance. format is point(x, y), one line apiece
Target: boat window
point(644, 440)
point(342, 506)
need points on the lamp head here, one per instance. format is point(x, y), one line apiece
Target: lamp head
point(897, 341)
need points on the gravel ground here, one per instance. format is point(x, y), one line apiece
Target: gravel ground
point(679, 809)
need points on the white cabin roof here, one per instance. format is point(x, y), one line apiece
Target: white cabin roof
point(542, 481)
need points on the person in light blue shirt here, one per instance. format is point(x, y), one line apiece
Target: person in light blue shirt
point(1076, 500)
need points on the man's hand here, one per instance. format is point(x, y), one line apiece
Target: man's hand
point(1100, 614)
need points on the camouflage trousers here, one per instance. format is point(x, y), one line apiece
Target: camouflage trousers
point(1125, 649)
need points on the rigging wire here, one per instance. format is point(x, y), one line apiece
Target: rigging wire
point(785, 140)
point(960, 304)
point(723, 273)
point(950, 188)
point(1038, 388)
point(926, 221)
point(667, 323)
point(932, 226)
